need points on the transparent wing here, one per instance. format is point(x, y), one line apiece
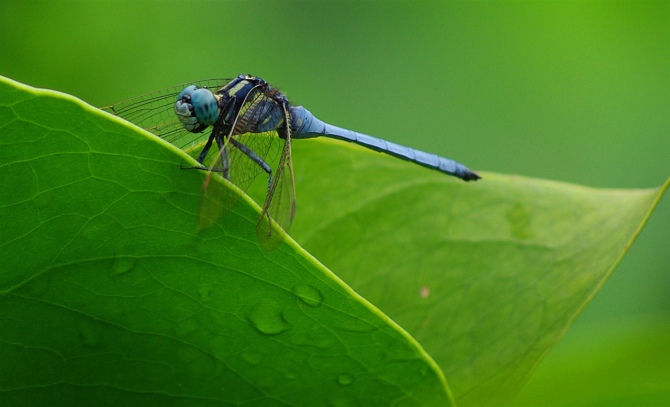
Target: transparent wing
point(241, 171)
point(255, 139)
point(252, 147)
point(279, 207)
point(154, 112)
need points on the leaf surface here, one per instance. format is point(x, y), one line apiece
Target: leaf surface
point(111, 296)
point(487, 276)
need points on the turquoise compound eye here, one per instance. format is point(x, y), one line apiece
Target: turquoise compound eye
point(184, 110)
point(205, 106)
point(186, 92)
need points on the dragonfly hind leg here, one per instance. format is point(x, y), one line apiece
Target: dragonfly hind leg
point(255, 158)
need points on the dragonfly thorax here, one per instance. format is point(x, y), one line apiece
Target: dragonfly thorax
point(196, 108)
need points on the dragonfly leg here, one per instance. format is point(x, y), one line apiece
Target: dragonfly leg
point(205, 149)
point(255, 158)
point(223, 151)
point(202, 155)
point(225, 168)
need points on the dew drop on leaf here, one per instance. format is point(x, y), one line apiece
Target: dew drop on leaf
point(253, 358)
point(345, 379)
point(90, 336)
point(308, 294)
point(267, 318)
point(206, 292)
point(122, 265)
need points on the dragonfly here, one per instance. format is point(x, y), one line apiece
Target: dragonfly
point(245, 117)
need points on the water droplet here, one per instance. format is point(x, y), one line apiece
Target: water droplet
point(91, 335)
point(345, 379)
point(308, 294)
point(206, 292)
point(122, 265)
point(253, 358)
point(268, 319)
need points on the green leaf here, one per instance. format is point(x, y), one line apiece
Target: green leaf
point(487, 276)
point(109, 295)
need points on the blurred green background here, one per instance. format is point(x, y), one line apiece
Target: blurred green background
point(570, 91)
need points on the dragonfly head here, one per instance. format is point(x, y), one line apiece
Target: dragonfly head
point(196, 108)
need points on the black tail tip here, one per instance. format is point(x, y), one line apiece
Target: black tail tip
point(471, 176)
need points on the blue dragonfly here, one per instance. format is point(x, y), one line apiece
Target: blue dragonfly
point(247, 117)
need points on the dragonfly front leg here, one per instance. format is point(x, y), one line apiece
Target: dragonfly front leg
point(202, 155)
point(205, 149)
point(225, 167)
point(255, 158)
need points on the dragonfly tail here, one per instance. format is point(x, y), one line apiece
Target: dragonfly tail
point(305, 125)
